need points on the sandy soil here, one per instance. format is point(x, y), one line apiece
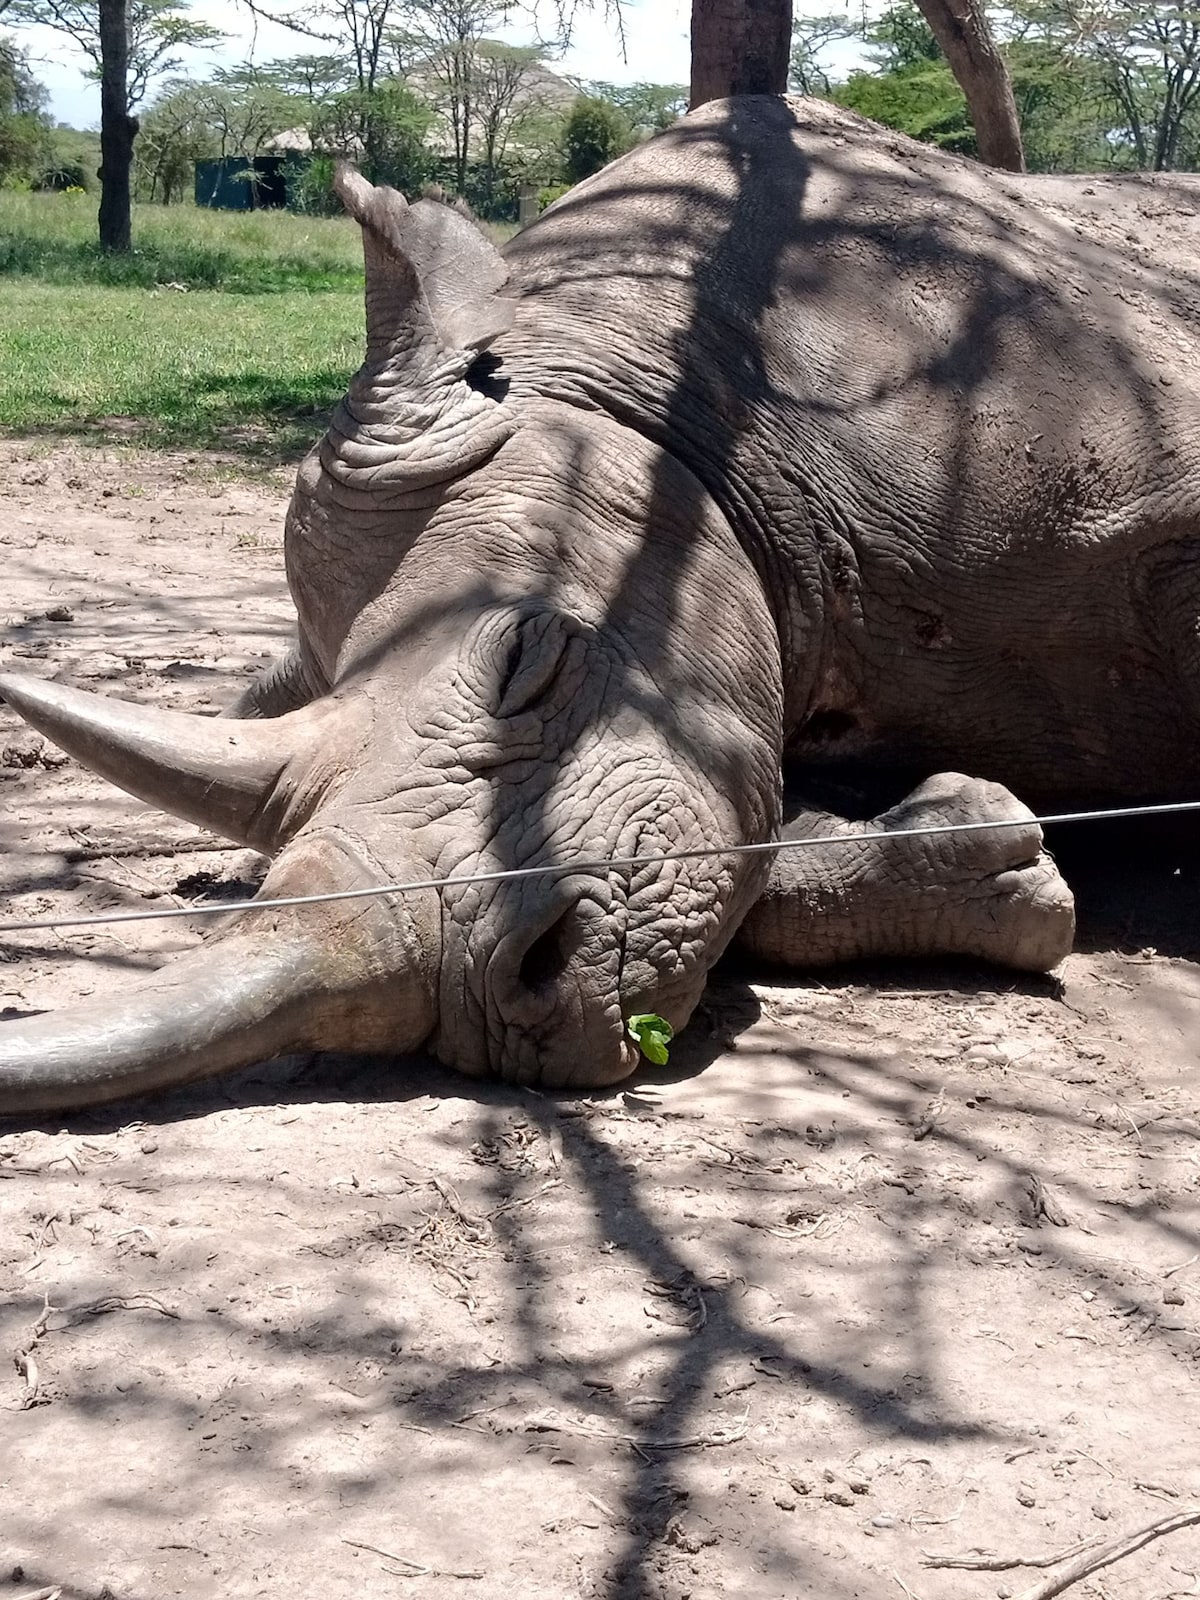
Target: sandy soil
point(903, 1260)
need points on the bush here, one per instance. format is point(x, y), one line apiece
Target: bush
point(62, 175)
point(24, 130)
point(310, 187)
point(595, 133)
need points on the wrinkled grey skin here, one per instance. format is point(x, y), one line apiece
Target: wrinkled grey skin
point(782, 441)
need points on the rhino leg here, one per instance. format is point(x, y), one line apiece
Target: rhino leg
point(995, 895)
point(293, 681)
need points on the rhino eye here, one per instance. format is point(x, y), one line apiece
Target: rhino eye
point(542, 649)
point(484, 375)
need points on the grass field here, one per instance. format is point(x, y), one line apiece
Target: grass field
point(52, 238)
point(222, 330)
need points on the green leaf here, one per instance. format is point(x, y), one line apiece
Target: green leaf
point(652, 1035)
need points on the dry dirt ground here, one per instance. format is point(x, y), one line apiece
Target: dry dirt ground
point(898, 1261)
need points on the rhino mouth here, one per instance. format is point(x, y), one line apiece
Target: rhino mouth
point(539, 1004)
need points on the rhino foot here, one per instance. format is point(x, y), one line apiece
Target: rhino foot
point(994, 894)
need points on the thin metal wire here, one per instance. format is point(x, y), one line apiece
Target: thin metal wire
point(566, 868)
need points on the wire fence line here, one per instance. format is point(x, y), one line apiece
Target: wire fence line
point(565, 869)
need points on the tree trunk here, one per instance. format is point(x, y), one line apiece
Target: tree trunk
point(961, 29)
point(739, 47)
point(117, 128)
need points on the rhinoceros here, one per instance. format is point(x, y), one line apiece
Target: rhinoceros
point(782, 446)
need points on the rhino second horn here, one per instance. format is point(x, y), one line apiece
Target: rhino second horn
point(355, 976)
point(431, 273)
point(215, 772)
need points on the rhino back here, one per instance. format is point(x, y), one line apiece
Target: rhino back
point(945, 410)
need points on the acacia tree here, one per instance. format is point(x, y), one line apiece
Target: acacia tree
point(961, 29)
point(309, 77)
point(505, 98)
point(434, 43)
point(1142, 56)
point(118, 128)
point(357, 30)
point(130, 44)
point(743, 47)
point(811, 39)
point(649, 107)
point(739, 47)
point(439, 41)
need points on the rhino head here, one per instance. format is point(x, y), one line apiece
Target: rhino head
point(537, 643)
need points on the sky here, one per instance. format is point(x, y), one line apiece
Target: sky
point(656, 47)
point(656, 40)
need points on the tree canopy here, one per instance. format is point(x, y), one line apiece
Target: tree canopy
point(1098, 84)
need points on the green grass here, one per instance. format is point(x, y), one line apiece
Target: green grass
point(198, 371)
point(52, 237)
point(247, 351)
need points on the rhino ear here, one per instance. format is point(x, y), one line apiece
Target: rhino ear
point(429, 268)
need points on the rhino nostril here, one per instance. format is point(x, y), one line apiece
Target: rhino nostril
point(548, 957)
point(554, 991)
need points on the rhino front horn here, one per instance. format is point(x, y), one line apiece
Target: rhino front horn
point(221, 774)
point(357, 975)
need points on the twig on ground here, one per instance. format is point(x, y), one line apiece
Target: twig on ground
point(1083, 1456)
point(523, 1200)
point(1078, 1562)
point(27, 1368)
point(1137, 1132)
point(553, 1422)
point(117, 1302)
point(26, 1362)
point(985, 1563)
point(1179, 1267)
point(696, 1441)
point(414, 1569)
point(52, 1593)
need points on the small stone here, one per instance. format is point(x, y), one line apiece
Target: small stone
point(991, 1054)
point(785, 1502)
point(839, 1494)
point(858, 1483)
point(1025, 1495)
point(883, 1521)
point(23, 751)
point(802, 1484)
point(60, 614)
point(1101, 1512)
point(1004, 1592)
point(1172, 1297)
point(148, 1146)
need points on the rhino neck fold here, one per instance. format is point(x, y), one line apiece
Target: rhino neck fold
point(390, 438)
